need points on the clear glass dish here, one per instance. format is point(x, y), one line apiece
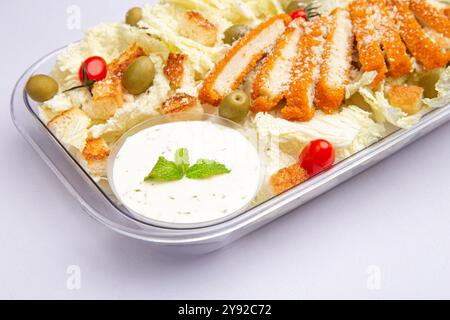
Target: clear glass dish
point(100, 206)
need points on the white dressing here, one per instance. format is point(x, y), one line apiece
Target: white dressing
point(187, 201)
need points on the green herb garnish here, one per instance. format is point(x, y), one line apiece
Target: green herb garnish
point(204, 169)
point(166, 170)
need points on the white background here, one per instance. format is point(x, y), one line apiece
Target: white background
point(394, 217)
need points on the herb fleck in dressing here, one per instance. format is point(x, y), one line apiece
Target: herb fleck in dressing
point(187, 200)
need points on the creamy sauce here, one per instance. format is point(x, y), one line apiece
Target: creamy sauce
point(187, 201)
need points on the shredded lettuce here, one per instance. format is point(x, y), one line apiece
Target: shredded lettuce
point(365, 80)
point(443, 89)
point(384, 112)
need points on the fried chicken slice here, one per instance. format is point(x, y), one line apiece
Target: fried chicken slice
point(237, 63)
point(398, 61)
point(335, 69)
point(426, 52)
point(368, 43)
point(431, 16)
point(305, 74)
point(273, 79)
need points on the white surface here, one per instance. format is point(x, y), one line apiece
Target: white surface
point(392, 221)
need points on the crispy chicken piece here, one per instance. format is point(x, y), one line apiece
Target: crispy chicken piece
point(272, 81)
point(368, 43)
point(407, 98)
point(288, 178)
point(196, 27)
point(179, 102)
point(335, 69)
point(179, 71)
point(229, 73)
point(398, 61)
point(446, 12)
point(70, 127)
point(431, 16)
point(418, 43)
point(304, 75)
point(95, 154)
point(438, 38)
point(107, 95)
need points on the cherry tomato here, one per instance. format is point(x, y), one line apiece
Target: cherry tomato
point(300, 13)
point(317, 156)
point(93, 69)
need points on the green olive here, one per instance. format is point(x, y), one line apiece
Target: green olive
point(134, 15)
point(235, 106)
point(428, 83)
point(234, 33)
point(139, 75)
point(295, 5)
point(41, 88)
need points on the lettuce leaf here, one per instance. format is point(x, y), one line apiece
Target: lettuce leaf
point(443, 89)
point(384, 112)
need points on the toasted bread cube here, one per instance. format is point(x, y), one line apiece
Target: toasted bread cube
point(179, 102)
point(179, 71)
point(70, 127)
point(196, 27)
point(288, 178)
point(407, 98)
point(95, 154)
point(107, 97)
point(108, 94)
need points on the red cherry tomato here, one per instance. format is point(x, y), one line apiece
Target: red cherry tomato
point(300, 13)
point(317, 156)
point(93, 69)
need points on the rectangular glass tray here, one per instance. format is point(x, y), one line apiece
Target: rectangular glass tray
point(196, 240)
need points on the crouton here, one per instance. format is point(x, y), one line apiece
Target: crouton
point(70, 127)
point(407, 98)
point(107, 95)
point(95, 154)
point(196, 27)
point(179, 102)
point(288, 178)
point(241, 59)
point(179, 71)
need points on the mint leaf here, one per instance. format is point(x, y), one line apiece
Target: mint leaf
point(182, 159)
point(204, 169)
point(165, 171)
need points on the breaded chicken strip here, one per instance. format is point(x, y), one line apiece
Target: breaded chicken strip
point(431, 16)
point(229, 73)
point(426, 52)
point(305, 74)
point(368, 42)
point(335, 69)
point(273, 79)
point(398, 61)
